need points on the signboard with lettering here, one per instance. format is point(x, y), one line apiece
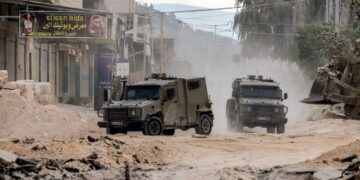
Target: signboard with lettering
point(62, 24)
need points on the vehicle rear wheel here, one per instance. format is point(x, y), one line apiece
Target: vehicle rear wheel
point(153, 127)
point(280, 128)
point(270, 130)
point(169, 132)
point(204, 126)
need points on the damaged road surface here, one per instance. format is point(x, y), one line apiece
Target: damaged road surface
point(323, 148)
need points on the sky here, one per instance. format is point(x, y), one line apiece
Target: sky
point(207, 20)
point(200, 3)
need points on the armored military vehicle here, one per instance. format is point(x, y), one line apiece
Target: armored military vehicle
point(256, 102)
point(159, 105)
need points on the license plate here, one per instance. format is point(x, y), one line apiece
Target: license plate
point(263, 118)
point(117, 123)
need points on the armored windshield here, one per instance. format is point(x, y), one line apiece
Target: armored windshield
point(271, 92)
point(142, 92)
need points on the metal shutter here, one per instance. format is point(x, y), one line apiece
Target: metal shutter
point(52, 69)
point(2, 50)
point(44, 64)
point(20, 72)
point(36, 63)
point(10, 59)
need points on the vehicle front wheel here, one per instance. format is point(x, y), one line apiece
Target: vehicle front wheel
point(153, 127)
point(204, 126)
point(280, 128)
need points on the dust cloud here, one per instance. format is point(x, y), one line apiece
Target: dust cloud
point(220, 74)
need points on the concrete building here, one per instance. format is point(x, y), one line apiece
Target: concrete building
point(69, 64)
point(138, 48)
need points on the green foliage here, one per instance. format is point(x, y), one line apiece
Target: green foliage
point(314, 44)
point(318, 44)
point(256, 25)
point(355, 10)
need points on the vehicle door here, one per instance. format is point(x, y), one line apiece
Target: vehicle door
point(169, 105)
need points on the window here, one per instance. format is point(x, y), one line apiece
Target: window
point(261, 92)
point(142, 92)
point(170, 94)
point(193, 84)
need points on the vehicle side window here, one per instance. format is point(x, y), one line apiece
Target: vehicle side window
point(193, 85)
point(170, 94)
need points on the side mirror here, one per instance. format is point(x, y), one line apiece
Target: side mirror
point(285, 96)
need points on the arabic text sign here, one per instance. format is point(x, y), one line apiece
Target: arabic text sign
point(62, 24)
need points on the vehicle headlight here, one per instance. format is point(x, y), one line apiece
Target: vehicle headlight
point(277, 110)
point(248, 109)
point(134, 112)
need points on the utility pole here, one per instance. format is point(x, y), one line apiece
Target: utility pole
point(330, 16)
point(161, 41)
point(327, 11)
point(331, 8)
point(337, 15)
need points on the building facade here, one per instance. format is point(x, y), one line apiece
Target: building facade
point(68, 64)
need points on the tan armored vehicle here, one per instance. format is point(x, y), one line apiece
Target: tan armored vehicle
point(159, 105)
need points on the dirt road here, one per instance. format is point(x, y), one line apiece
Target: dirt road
point(184, 156)
point(197, 158)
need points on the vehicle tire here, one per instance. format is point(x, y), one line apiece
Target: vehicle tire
point(205, 125)
point(239, 124)
point(280, 128)
point(230, 108)
point(169, 132)
point(153, 127)
point(270, 130)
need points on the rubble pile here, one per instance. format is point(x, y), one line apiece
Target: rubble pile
point(30, 90)
point(24, 118)
point(15, 167)
point(87, 156)
point(3, 78)
point(340, 163)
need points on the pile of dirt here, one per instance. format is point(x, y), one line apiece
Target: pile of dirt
point(340, 163)
point(21, 118)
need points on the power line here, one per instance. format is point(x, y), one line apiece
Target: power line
point(209, 20)
point(277, 24)
point(273, 34)
point(236, 7)
point(200, 17)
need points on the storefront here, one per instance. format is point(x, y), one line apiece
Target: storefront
point(68, 63)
